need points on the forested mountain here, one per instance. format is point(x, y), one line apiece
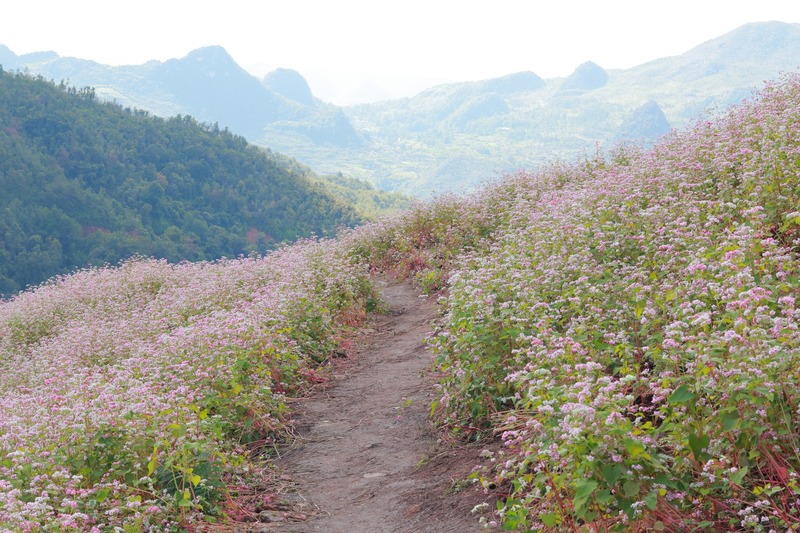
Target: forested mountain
point(88, 183)
point(450, 137)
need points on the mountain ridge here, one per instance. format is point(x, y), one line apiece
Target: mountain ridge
point(452, 136)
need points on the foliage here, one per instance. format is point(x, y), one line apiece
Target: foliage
point(370, 202)
point(628, 326)
point(131, 396)
point(86, 183)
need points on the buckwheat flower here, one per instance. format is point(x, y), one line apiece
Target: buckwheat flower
point(481, 507)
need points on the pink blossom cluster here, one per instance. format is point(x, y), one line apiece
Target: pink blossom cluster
point(630, 329)
point(124, 389)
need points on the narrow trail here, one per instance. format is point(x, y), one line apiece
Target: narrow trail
point(367, 458)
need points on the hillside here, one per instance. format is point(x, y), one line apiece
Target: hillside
point(627, 325)
point(620, 334)
point(451, 137)
point(90, 183)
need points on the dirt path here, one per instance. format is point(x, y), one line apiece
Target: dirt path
point(367, 459)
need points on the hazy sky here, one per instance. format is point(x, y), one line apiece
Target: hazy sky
point(354, 49)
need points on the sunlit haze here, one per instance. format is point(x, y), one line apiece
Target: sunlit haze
point(353, 50)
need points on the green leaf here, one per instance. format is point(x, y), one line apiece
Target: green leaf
point(603, 496)
point(651, 500)
point(184, 498)
point(611, 473)
point(730, 421)
point(698, 443)
point(583, 490)
point(195, 479)
point(659, 526)
point(681, 395)
point(549, 519)
point(634, 447)
point(630, 488)
point(151, 465)
point(738, 476)
point(666, 480)
point(101, 495)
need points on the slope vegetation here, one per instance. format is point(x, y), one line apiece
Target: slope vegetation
point(628, 327)
point(131, 397)
point(89, 183)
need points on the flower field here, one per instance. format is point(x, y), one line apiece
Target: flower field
point(626, 325)
point(130, 396)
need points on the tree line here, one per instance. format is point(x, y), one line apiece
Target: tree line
point(88, 183)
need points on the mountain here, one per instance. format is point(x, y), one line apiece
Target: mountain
point(450, 137)
point(646, 122)
point(289, 84)
point(8, 59)
point(208, 85)
point(86, 183)
point(586, 77)
point(424, 145)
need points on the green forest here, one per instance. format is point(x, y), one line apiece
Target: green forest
point(90, 183)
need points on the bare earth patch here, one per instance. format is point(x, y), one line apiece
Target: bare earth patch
point(367, 458)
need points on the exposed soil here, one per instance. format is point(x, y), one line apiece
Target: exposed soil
point(367, 458)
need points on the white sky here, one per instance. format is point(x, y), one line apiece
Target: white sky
point(344, 47)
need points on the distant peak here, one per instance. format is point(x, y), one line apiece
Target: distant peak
point(759, 34)
point(586, 77)
point(515, 83)
point(36, 57)
point(756, 42)
point(8, 58)
point(646, 122)
point(289, 84)
point(215, 54)
point(209, 61)
point(767, 25)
